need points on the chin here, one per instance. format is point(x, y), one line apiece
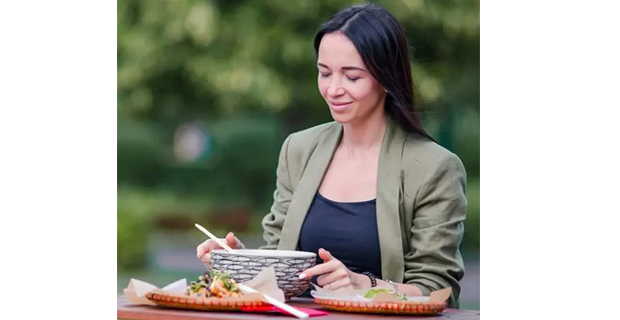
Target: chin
point(342, 118)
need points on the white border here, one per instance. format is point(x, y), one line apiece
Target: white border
point(549, 159)
point(58, 159)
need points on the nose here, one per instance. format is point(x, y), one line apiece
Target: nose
point(335, 88)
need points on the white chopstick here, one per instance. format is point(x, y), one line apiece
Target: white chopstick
point(216, 239)
point(275, 302)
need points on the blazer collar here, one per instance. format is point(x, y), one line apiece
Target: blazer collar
point(388, 203)
point(307, 188)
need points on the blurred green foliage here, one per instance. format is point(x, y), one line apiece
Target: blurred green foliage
point(246, 71)
point(183, 58)
point(132, 230)
point(471, 239)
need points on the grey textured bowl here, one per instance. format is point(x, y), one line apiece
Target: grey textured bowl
point(245, 264)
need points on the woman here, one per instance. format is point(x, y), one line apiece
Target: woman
point(371, 192)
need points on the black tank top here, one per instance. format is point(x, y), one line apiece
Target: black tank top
point(348, 230)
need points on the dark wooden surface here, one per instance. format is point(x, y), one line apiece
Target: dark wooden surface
point(126, 310)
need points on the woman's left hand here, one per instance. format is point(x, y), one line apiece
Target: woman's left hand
point(334, 274)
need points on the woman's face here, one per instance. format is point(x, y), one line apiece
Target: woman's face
point(350, 91)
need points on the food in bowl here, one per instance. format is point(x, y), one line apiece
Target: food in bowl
point(245, 264)
point(214, 283)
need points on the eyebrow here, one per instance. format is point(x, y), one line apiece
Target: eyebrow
point(343, 68)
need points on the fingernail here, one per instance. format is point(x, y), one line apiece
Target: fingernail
point(301, 276)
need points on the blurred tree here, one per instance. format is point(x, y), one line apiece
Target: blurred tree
point(182, 58)
point(247, 70)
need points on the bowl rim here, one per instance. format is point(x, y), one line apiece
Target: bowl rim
point(266, 253)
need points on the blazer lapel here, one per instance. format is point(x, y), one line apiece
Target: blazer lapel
point(388, 217)
point(307, 187)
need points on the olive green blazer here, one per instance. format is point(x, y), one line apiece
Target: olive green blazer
point(421, 203)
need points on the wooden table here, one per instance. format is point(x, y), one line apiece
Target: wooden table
point(126, 310)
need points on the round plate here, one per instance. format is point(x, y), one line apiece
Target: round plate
point(195, 303)
point(425, 308)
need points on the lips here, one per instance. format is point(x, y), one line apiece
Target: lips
point(339, 103)
point(339, 106)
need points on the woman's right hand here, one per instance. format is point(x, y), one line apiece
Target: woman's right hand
point(203, 250)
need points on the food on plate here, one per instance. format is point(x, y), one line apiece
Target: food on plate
point(373, 292)
point(214, 283)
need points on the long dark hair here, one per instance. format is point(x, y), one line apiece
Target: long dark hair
point(381, 42)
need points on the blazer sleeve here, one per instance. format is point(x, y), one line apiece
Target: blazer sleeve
point(434, 261)
point(273, 221)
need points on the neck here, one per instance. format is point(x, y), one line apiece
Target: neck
point(365, 134)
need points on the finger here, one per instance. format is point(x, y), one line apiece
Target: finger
point(325, 255)
point(202, 248)
point(206, 258)
point(320, 269)
point(331, 277)
point(232, 241)
point(207, 247)
point(344, 283)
